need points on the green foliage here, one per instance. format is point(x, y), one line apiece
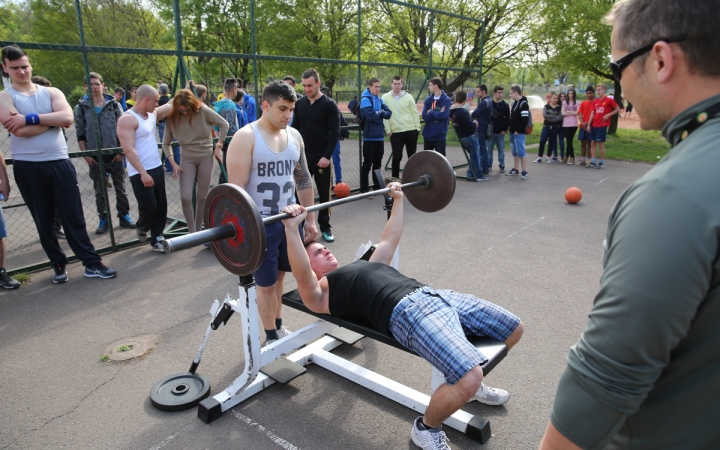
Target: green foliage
point(104, 358)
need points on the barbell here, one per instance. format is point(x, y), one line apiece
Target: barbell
point(236, 230)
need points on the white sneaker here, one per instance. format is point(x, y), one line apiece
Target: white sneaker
point(158, 245)
point(427, 440)
point(539, 160)
point(283, 331)
point(549, 161)
point(491, 396)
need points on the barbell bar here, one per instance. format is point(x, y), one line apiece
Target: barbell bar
point(236, 230)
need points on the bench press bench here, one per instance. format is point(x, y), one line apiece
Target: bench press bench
point(286, 358)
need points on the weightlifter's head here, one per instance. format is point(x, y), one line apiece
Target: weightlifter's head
point(322, 260)
point(278, 103)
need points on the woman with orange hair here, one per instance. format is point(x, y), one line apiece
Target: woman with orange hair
point(191, 123)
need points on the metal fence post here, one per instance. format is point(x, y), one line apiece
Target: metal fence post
point(96, 123)
point(254, 54)
point(359, 80)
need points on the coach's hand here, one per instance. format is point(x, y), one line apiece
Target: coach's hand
point(324, 162)
point(298, 215)
point(396, 191)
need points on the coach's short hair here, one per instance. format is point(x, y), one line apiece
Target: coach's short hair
point(42, 81)
point(437, 81)
point(694, 24)
point(311, 73)
point(276, 90)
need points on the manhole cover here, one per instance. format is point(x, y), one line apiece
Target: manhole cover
point(133, 347)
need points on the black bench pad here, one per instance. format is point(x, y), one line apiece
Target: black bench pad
point(493, 350)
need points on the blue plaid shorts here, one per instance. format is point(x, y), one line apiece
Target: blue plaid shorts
point(433, 323)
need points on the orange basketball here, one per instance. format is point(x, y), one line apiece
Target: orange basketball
point(342, 190)
point(573, 195)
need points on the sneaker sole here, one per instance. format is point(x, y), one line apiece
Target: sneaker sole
point(101, 231)
point(128, 226)
point(10, 288)
point(99, 275)
point(488, 402)
point(61, 281)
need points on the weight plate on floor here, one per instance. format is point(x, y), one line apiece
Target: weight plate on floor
point(243, 254)
point(180, 391)
point(442, 189)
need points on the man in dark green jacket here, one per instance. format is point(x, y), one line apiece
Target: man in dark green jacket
point(644, 374)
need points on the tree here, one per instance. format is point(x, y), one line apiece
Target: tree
point(404, 33)
point(576, 39)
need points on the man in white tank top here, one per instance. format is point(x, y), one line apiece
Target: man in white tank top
point(136, 132)
point(267, 158)
point(44, 174)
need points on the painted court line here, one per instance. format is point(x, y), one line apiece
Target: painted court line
point(508, 237)
point(261, 429)
point(168, 440)
point(601, 181)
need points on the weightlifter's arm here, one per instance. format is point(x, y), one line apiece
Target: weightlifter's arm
point(308, 285)
point(239, 156)
point(393, 228)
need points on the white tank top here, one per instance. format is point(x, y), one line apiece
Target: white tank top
point(146, 144)
point(271, 184)
point(47, 146)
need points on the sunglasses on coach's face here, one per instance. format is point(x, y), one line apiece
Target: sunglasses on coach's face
point(617, 66)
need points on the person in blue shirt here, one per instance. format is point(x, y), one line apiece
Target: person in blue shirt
point(372, 112)
point(435, 113)
point(482, 115)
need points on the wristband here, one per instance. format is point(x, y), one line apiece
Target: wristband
point(32, 119)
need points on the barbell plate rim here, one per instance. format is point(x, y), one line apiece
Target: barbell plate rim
point(442, 188)
point(255, 262)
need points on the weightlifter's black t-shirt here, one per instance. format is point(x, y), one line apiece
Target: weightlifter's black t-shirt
point(368, 290)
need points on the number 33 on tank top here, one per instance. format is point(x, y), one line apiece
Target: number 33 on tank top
point(274, 202)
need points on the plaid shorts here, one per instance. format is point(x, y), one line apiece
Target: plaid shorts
point(433, 323)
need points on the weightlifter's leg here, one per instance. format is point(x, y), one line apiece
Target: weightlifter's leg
point(269, 279)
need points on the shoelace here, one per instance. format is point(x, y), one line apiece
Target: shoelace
point(440, 440)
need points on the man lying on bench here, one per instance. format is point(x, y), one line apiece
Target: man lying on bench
point(432, 323)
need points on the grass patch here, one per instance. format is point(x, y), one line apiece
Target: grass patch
point(104, 358)
point(626, 145)
point(22, 277)
point(124, 348)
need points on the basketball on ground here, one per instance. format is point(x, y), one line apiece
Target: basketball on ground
point(342, 190)
point(573, 195)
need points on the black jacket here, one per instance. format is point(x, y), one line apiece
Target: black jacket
point(500, 116)
point(460, 118)
point(319, 126)
point(519, 113)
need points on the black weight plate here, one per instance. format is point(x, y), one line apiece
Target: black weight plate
point(228, 203)
point(180, 391)
point(442, 188)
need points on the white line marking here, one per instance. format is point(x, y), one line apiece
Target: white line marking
point(261, 429)
point(601, 181)
point(168, 440)
point(508, 237)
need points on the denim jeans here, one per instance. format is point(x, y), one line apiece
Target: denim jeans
point(549, 133)
point(471, 144)
point(517, 145)
point(337, 168)
point(482, 143)
point(499, 141)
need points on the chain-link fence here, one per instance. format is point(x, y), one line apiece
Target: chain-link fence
point(134, 42)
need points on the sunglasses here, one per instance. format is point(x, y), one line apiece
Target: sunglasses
point(617, 66)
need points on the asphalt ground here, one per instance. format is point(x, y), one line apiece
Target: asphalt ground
point(516, 243)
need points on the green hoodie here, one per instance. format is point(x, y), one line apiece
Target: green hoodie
point(644, 373)
point(405, 116)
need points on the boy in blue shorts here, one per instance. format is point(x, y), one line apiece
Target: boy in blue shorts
point(603, 108)
point(432, 323)
point(584, 117)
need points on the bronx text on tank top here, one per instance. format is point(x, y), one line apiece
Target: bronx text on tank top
point(48, 146)
point(368, 290)
point(146, 144)
point(271, 184)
